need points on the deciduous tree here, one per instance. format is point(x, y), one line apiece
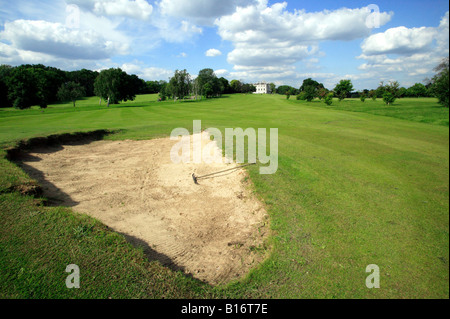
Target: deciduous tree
point(343, 88)
point(115, 85)
point(179, 84)
point(440, 86)
point(71, 91)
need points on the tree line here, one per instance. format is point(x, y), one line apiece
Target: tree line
point(438, 87)
point(206, 84)
point(27, 85)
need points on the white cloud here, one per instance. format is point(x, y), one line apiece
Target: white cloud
point(57, 40)
point(147, 73)
point(202, 12)
point(442, 36)
point(259, 22)
point(400, 40)
point(174, 31)
point(12, 56)
point(213, 53)
point(135, 9)
point(407, 55)
point(266, 37)
point(221, 72)
point(188, 27)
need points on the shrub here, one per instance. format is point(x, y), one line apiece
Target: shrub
point(322, 93)
point(301, 96)
point(388, 98)
point(328, 99)
point(310, 93)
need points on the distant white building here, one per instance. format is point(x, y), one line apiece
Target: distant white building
point(262, 88)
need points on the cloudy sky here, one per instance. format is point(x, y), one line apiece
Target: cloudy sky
point(250, 40)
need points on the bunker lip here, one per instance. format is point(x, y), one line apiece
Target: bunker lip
point(15, 153)
point(214, 231)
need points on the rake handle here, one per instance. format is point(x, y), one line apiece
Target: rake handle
point(226, 170)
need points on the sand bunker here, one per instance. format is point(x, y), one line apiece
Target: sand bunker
point(209, 231)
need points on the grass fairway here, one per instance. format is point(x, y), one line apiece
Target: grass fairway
point(356, 185)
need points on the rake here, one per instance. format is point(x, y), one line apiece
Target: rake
point(196, 178)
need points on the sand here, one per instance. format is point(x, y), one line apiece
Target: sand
point(210, 231)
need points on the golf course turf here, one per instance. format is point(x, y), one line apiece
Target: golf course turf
point(357, 184)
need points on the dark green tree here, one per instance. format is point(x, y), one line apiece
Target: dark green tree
point(86, 78)
point(283, 89)
point(215, 87)
point(179, 84)
point(440, 83)
point(225, 86)
point(71, 91)
point(392, 87)
point(207, 89)
point(322, 93)
point(310, 92)
point(114, 86)
point(417, 90)
point(402, 92)
point(343, 89)
point(388, 98)
point(273, 87)
point(5, 71)
point(153, 87)
point(328, 99)
point(373, 95)
point(310, 82)
point(236, 86)
point(23, 87)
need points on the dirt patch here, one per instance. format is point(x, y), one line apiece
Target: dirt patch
point(211, 231)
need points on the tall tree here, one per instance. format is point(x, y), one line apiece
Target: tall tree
point(215, 86)
point(310, 92)
point(86, 78)
point(225, 85)
point(417, 90)
point(284, 89)
point(71, 91)
point(179, 84)
point(440, 86)
point(343, 88)
point(23, 87)
point(236, 86)
point(392, 87)
point(248, 88)
point(273, 87)
point(5, 71)
point(115, 85)
point(310, 82)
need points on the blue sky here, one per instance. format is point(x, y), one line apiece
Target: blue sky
point(250, 40)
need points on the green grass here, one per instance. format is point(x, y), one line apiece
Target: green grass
point(424, 110)
point(357, 184)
